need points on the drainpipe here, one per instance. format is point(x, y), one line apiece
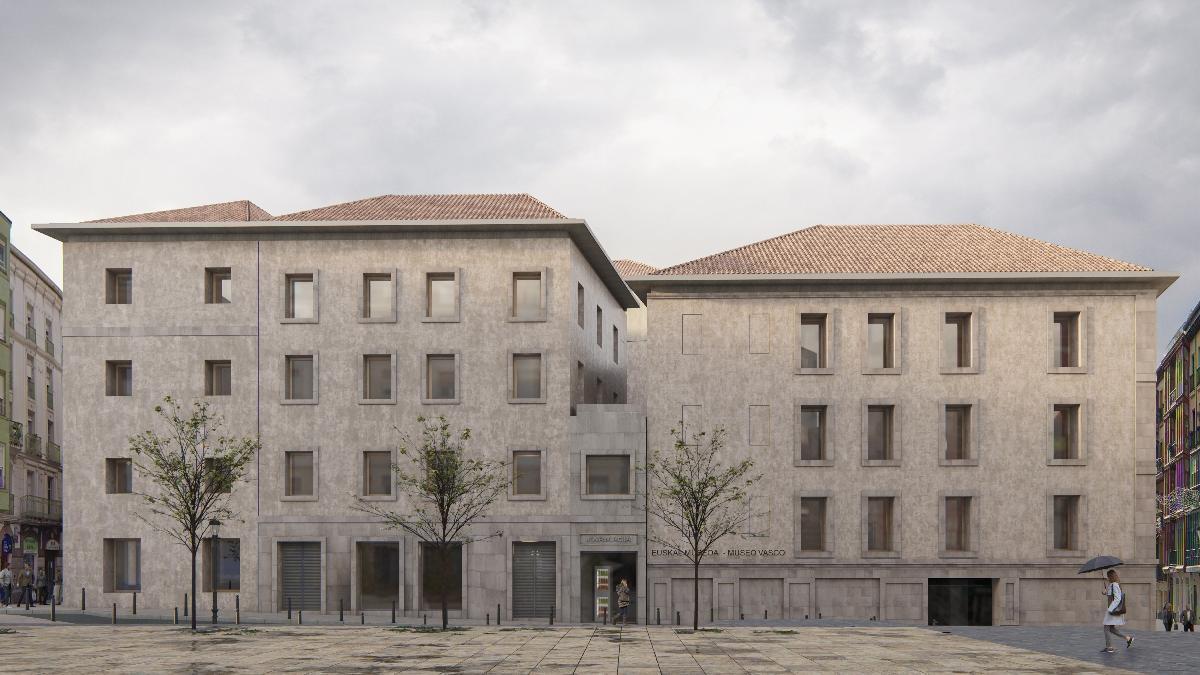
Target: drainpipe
point(646, 515)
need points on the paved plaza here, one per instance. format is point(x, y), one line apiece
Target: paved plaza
point(38, 646)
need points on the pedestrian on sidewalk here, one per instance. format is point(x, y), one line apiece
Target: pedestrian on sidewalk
point(1188, 619)
point(25, 584)
point(1167, 617)
point(58, 586)
point(1115, 614)
point(41, 586)
point(623, 600)
point(6, 585)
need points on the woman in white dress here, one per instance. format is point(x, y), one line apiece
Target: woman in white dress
point(1115, 614)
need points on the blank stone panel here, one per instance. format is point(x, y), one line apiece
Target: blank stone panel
point(760, 333)
point(692, 327)
point(692, 421)
point(760, 425)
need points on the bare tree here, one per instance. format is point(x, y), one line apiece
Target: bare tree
point(447, 491)
point(194, 469)
point(698, 499)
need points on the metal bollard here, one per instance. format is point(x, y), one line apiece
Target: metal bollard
point(185, 605)
point(363, 618)
point(83, 599)
point(711, 617)
point(818, 615)
point(497, 614)
point(176, 616)
point(341, 612)
point(135, 603)
point(289, 609)
point(237, 609)
point(393, 611)
point(300, 617)
point(657, 616)
point(743, 615)
point(424, 620)
point(603, 616)
point(551, 614)
point(488, 620)
point(114, 620)
point(676, 617)
point(764, 615)
point(52, 615)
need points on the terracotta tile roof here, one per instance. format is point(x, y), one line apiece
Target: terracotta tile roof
point(899, 249)
point(434, 207)
point(633, 268)
point(242, 210)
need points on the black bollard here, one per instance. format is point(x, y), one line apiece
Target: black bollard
point(185, 605)
point(300, 617)
point(289, 609)
point(711, 617)
point(176, 616)
point(742, 615)
point(341, 612)
point(83, 599)
point(114, 613)
point(818, 615)
point(135, 603)
point(603, 616)
point(657, 616)
point(237, 609)
point(424, 620)
point(52, 616)
point(488, 619)
point(551, 614)
point(676, 617)
point(363, 618)
point(764, 615)
point(393, 611)
point(497, 614)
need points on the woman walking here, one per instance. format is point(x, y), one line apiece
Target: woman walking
point(1115, 614)
point(623, 600)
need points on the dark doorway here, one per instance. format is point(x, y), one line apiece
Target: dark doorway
point(603, 570)
point(960, 602)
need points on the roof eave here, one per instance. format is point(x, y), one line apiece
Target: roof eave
point(577, 229)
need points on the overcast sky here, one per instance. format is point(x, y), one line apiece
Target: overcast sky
point(675, 129)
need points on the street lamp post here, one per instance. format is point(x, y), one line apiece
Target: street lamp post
point(215, 526)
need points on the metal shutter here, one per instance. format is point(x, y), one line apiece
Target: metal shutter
point(300, 575)
point(533, 570)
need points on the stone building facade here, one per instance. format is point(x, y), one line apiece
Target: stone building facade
point(949, 420)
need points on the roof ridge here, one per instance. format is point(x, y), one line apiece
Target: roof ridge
point(668, 268)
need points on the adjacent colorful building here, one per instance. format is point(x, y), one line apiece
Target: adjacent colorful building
point(8, 542)
point(1177, 461)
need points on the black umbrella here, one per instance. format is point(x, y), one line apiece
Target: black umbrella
point(1100, 562)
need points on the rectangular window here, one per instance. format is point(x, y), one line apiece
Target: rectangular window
point(439, 377)
point(301, 297)
point(118, 475)
point(1066, 522)
point(436, 567)
point(812, 341)
point(880, 341)
point(1066, 432)
point(300, 382)
point(956, 340)
point(879, 523)
point(527, 295)
point(527, 376)
point(218, 285)
point(299, 474)
point(579, 306)
point(958, 523)
point(812, 523)
point(225, 567)
point(118, 378)
point(760, 425)
point(441, 295)
point(958, 432)
point(879, 432)
point(812, 432)
point(377, 376)
point(218, 378)
point(599, 326)
point(214, 476)
point(118, 286)
point(122, 565)
point(527, 472)
point(691, 333)
point(607, 474)
point(616, 353)
point(378, 300)
point(1066, 339)
point(377, 474)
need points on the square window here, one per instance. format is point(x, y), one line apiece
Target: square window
point(1066, 522)
point(218, 285)
point(879, 432)
point(880, 341)
point(440, 377)
point(299, 474)
point(958, 524)
point(218, 378)
point(441, 296)
point(812, 523)
point(956, 340)
point(527, 296)
point(300, 384)
point(122, 565)
point(607, 474)
point(118, 475)
point(527, 472)
point(224, 566)
point(377, 377)
point(118, 378)
point(812, 433)
point(527, 376)
point(301, 297)
point(377, 474)
point(118, 286)
point(1066, 431)
point(958, 432)
point(378, 297)
point(1066, 339)
point(879, 524)
point(812, 341)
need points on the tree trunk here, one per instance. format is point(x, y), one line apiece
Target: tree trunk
point(696, 595)
point(193, 598)
point(443, 575)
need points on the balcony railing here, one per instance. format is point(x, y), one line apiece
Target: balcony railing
point(54, 452)
point(49, 344)
point(41, 508)
point(17, 435)
point(33, 445)
point(30, 333)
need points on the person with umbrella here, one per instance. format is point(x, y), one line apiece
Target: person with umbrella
point(1115, 614)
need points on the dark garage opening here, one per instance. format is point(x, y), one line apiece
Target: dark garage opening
point(613, 566)
point(960, 602)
